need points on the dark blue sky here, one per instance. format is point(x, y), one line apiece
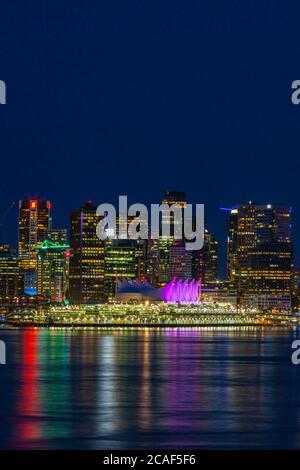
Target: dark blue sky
point(134, 97)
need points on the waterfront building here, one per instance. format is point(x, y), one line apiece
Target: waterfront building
point(268, 283)
point(176, 291)
point(220, 292)
point(86, 279)
point(260, 255)
point(30, 288)
point(53, 270)
point(11, 280)
point(296, 288)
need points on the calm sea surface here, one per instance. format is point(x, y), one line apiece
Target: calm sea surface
point(149, 388)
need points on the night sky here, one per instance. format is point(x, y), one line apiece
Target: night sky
point(135, 97)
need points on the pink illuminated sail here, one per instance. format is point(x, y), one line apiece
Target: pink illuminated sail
point(181, 292)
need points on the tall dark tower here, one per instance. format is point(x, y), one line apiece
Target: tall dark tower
point(232, 245)
point(205, 261)
point(174, 197)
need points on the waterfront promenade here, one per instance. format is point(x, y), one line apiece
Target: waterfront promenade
point(144, 314)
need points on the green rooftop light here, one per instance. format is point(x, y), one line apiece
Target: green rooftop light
point(50, 245)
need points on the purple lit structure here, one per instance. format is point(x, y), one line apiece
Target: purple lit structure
point(175, 291)
point(181, 291)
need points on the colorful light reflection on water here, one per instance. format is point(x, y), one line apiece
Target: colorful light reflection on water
point(149, 388)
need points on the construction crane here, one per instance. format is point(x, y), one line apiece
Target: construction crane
point(2, 220)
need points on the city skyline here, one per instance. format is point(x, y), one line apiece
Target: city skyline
point(151, 349)
point(9, 226)
point(83, 269)
point(170, 109)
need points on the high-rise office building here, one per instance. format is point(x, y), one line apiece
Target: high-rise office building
point(269, 276)
point(34, 223)
point(53, 270)
point(181, 261)
point(167, 256)
point(141, 258)
point(124, 259)
point(86, 280)
point(205, 261)
point(58, 235)
point(120, 264)
point(174, 197)
point(11, 280)
point(158, 261)
point(260, 255)
point(232, 245)
point(296, 288)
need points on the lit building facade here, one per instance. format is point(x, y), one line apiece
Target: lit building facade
point(220, 292)
point(11, 280)
point(120, 264)
point(141, 247)
point(158, 262)
point(58, 235)
point(181, 261)
point(176, 291)
point(34, 224)
point(167, 257)
point(296, 289)
point(53, 270)
point(205, 261)
point(86, 279)
point(232, 245)
point(260, 260)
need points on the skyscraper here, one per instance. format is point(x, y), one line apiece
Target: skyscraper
point(87, 257)
point(141, 258)
point(232, 245)
point(180, 264)
point(260, 255)
point(167, 257)
point(11, 281)
point(34, 223)
point(58, 235)
point(174, 197)
point(120, 264)
point(53, 270)
point(205, 261)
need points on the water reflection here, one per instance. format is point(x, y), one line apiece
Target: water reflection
point(149, 388)
point(29, 406)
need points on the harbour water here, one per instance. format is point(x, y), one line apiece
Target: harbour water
point(193, 388)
